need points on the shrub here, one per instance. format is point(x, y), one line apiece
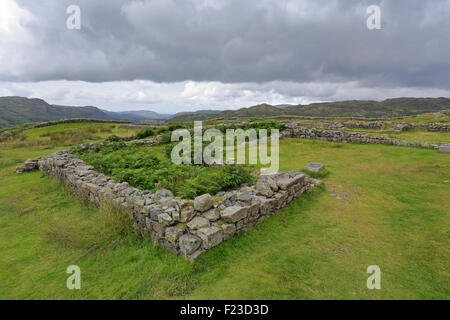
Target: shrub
point(113, 138)
point(145, 133)
point(269, 125)
point(147, 171)
point(233, 176)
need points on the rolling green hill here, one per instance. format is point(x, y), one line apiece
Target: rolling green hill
point(18, 110)
point(352, 109)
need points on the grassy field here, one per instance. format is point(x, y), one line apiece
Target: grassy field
point(381, 205)
point(67, 134)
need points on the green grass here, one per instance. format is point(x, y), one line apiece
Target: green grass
point(382, 205)
point(425, 136)
point(100, 130)
point(66, 135)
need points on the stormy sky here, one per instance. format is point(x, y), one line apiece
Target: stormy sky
point(176, 55)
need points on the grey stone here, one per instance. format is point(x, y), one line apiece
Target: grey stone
point(444, 149)
point(234, 214)
point(263, 189)
point(197, 223)
point(158, 228)
point(244, 197)
point(189, 244)
point(168, 246)
point(165, 219)
point(241, 223)
point(175, 215)
point(284, 182)
point(229, 229)
point(315, 167)
point(155, 212)
point(167, 202)
point(267, 206)
point(173, 234)
point(253, 210)
point(273, 185)
point(203, 202)
point(211, 237)
point(187, 213)
point(212, 215)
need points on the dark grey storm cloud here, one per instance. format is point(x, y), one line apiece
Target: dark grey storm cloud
point(231, 41)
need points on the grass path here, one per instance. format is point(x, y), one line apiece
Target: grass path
point(383, 205)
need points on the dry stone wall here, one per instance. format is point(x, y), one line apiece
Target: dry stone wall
point(353, 125)
point(74, 120)
point(186, 227)
point(296, 130)
point(377, 125)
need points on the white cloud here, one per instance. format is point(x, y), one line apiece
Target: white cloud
point(12, 18)
point(192, 95)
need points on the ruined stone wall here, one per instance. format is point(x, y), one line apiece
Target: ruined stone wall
point(185, 227)
point(437, 127)
point(353, 125)
point(295, 130)
point(377, 125)
point(76, 120)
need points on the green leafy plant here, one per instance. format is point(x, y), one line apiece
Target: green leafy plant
point(143, 170)
point(145, 133)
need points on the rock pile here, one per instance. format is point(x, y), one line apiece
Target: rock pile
point(29, 165)
point(5, 135)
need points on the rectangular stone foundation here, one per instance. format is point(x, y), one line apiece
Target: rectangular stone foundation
point(185, 227)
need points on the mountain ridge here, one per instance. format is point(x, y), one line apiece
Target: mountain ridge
point(389, 108)
point(18, 110)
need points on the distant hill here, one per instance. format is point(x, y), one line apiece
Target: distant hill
point(389, 108)
point(18, 110)
point(194, 115)
point(143, 115)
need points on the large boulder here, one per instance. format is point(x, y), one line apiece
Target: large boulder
point(263, 189)
point(234, 213)
point(167, 202)
point(229, 229)
point(444, 149)
point(212, 215)
point(203, 202)
point(189, 244)
point(29, 165)
point(211, 236)
point(198, 223)
point(165, 219)
point(284, 182)
point(173, 234)
point(244, 197)
point(315, 167)
point(187, 213)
